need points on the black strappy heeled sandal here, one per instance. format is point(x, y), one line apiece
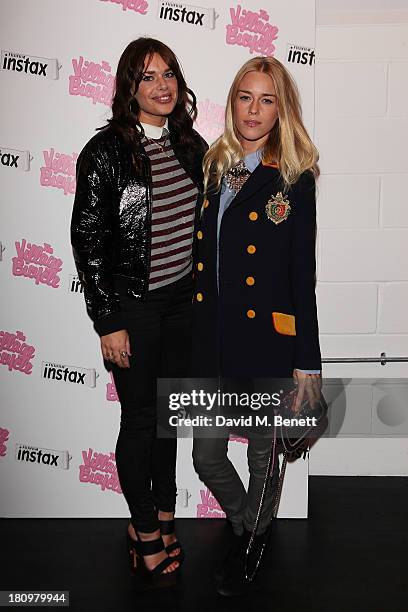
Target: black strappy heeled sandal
point(153, 577)
point(134, 555)
point(167, 528)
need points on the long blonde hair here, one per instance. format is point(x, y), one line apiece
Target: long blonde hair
point(289, 144)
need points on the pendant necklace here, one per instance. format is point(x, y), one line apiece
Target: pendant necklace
point(160, 146)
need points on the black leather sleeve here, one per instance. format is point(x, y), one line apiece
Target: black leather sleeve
point(202, 144)
point(91, 238)
point(200, 151)
point(303, 273)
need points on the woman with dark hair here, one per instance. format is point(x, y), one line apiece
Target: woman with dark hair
point(139, 189)
point(255, 310)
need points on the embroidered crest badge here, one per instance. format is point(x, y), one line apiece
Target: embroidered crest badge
point(278, 208)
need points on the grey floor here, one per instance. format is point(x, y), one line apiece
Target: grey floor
point(350, 555)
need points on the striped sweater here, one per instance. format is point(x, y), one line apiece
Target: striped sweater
point(173, 208)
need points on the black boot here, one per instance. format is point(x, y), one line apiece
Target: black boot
point(253, 560)
point(232, 581)
point(238, 570)
point(234, 552)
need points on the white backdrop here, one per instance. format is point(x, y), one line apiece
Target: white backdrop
point(59, 415)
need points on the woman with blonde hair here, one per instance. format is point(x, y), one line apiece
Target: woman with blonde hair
point(255, 310)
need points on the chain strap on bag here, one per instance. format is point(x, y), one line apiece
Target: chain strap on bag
point(292, 448)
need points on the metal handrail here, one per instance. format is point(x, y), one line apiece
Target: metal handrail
point(383, 359)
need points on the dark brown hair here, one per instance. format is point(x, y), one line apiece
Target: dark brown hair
point(125, 108)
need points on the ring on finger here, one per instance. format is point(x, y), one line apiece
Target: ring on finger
point(123, 354)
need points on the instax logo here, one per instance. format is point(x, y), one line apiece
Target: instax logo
point(185, 13)
point(301, 55)
point(29, 64)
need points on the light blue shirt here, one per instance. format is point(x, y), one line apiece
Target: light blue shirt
point(251, 161)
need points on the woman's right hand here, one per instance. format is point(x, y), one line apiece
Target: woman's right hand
point(116, 348)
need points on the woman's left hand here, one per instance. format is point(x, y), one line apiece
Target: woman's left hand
point(309, 385)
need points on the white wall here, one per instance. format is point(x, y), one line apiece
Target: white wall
point(361, 121)
point(69, 420)
point(361, 101)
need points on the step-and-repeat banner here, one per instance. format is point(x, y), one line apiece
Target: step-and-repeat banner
point(59, 415)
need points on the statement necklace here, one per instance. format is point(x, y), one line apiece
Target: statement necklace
point(237, 176)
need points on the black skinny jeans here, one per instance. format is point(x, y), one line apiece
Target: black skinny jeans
point(160, 343)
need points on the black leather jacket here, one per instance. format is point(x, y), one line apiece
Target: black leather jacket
point(111, 221)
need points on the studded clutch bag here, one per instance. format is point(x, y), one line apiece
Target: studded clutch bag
point(311, 422)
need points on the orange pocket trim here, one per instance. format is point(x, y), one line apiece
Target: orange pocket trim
point(284, 323)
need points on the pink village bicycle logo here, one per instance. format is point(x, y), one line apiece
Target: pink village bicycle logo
point(210, 119)
point(139, 6)
point(111, 393)
point(234, 438)
point(92, 80)
point(251, 29)
point(209, 506)
point(99, 469)
point(4, 436)
point(15, 353)
point(59, 171)
point(37, 262)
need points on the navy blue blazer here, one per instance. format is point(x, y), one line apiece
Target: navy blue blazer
point(263, 320)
